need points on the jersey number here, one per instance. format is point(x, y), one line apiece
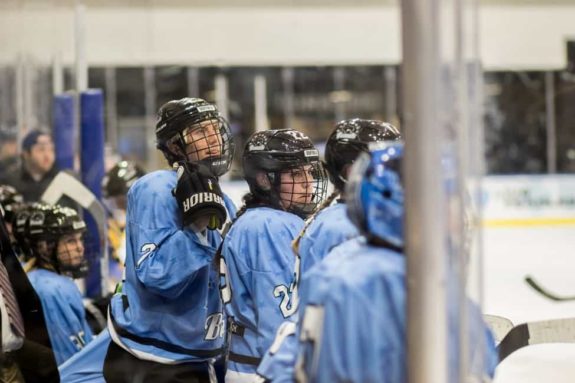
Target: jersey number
point(225, 286)
point(289, 293)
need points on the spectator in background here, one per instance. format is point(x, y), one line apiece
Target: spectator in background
point(38, 168)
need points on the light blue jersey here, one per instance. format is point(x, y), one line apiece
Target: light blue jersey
point(278, 365)
point(259, 282)
point(87, 366)
point(330, 227)
point(64, 312)
point(169, 310)
point(356, 332)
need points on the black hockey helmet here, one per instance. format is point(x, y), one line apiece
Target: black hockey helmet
point(120, 178)
point(20, 231)
point(11, 201)
point(199, 132)
point(46, 226)
point(277, 152)
point(348, 139)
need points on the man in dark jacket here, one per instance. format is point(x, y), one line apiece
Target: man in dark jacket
point(38, 168)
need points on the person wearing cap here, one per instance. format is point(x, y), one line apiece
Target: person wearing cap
point(38, 166)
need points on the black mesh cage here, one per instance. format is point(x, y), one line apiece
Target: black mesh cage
point(302, 189)
point(209, 142)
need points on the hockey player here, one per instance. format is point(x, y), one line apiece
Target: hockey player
point(167, 322)
point(287, 183)
point(55, 237)
point(330, 226)
point(369, 304)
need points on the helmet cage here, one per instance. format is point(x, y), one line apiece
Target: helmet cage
point(66, 261)
point(300, 190)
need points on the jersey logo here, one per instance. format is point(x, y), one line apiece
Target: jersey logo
point(206, 108)
point(145, 251)
point(199, 198)
point(214, 326)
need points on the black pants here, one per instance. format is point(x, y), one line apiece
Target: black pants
point(120, 366)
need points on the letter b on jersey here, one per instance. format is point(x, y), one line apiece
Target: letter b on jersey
point(214, 326)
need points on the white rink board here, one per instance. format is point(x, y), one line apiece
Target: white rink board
point(529, 229)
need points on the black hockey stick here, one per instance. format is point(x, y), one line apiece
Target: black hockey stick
point(537, 287)
point(526, 334)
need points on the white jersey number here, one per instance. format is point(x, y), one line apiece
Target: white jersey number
point(225, 286)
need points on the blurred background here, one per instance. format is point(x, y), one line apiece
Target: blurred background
point(297, 64)
point(306, 65)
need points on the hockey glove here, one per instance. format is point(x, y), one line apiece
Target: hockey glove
point(199, 195)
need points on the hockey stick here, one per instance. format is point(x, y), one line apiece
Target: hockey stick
point(65, 184)
point(526, 334)
point(537, 287)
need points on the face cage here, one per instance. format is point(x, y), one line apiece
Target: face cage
point(209, 142)
point(64, 261)
point(301, 189)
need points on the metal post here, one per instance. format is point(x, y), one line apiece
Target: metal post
point(425, 216)
point(150, 119)
point(288, 97)
point(339, 85)
point(550, 122)
point(222, 101)
point(193, 76)
point(111, 110)
point(222, 95)
point(57, 74)
point(261, 102)
point(390, 108)
point(19, 97)
point(80, 45)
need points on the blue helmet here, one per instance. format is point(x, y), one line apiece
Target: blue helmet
point(375, 193)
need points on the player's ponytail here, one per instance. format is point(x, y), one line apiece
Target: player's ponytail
point(324, 204)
